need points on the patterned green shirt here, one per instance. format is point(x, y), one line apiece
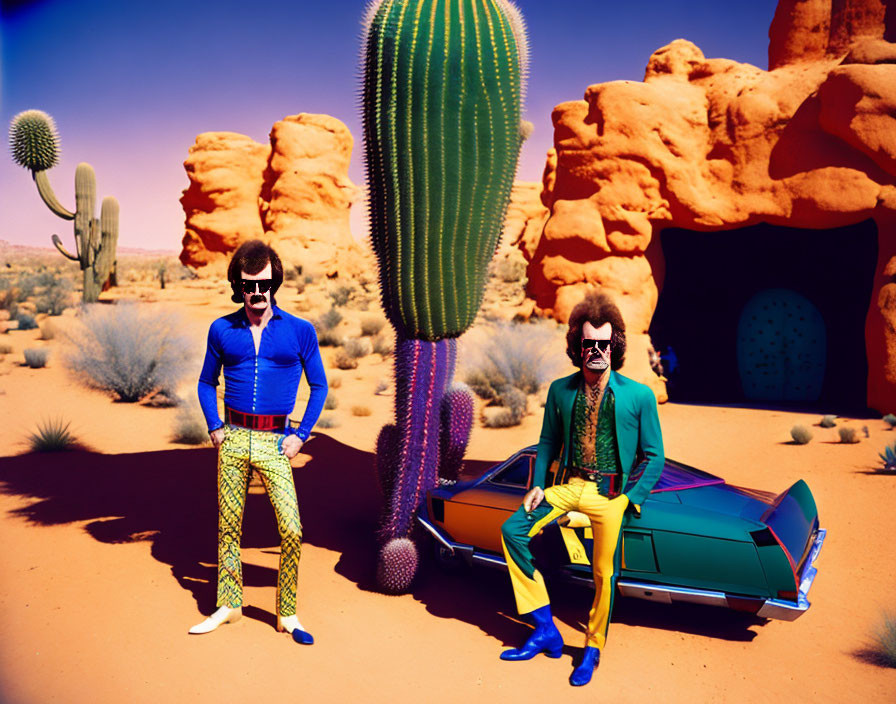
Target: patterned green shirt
point(594, 434)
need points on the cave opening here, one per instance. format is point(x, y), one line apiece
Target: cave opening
point(767, 315)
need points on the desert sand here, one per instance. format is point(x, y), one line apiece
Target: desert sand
point(109, 556)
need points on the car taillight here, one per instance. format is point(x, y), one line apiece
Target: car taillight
point(790, 596)
point(438, 510)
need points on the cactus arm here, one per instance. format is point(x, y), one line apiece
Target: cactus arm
point(58, 243)
point(42, 182)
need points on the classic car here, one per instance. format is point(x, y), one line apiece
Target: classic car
point(696, 538)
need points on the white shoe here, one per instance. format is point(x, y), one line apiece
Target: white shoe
point(289, 624)
point(223, 615)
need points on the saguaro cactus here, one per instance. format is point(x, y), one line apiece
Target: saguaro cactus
point(35, 145)
point(442, 94)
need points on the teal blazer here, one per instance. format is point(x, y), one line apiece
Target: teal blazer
point(637, 432)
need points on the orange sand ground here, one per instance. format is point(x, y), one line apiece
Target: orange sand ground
point(108, 558)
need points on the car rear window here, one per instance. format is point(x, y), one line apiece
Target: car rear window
point(515, 474)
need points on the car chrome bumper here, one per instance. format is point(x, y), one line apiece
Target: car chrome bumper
point(764, 608)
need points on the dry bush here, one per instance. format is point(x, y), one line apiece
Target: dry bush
point(383, 345)
point(47, 330)
point(36, 357)
point(848, 435)
point(356, 348)
point(361, 411)
point(335, 382)
point(327, 422)
point(344, 361)
point(331, 403)
point(381, 386)
point(372, 326)
point(189, 426)
point(330, 338)
point(5, 348)
point(800, 434)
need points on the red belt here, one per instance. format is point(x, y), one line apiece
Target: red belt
point(254, 421)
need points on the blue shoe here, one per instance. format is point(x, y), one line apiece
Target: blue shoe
point(546, 639)
point(582, 674)
point(303, 637)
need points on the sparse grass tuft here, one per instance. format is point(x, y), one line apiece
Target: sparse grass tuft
point(341, 295)
point(800, 434)
point(189, 426)
point(331, 403)
point(885, 640)
point(828, 422)
point(356, 348)
point(342, 360)
point(51, 436)
point(848, 435)
point(372, 326)
point(328, 320)
point(327, 422)
point(335, 382)
point(130, 350)
point(361, 411)
point(36, 357)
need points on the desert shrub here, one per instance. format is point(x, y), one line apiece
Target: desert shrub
point(513, 402)
point(36, 357)
point(383, 345)
point(189, 426)
point(329, 338)
point(372, 326)
point(51, 436)
point(848, 435)
point(331, 403)
point(361, 411)
point(47, 330)
point(341, 295)
point(335, 382)
point(828, 422)
point(890, 420)
point(130, 350)
point(800, 434)
point(356, 348)
point(884, 640)
point(8, 301)
point(327, 422)
point(328, 321)
point(510, 269)
point(503, 419)
point(5, 348)
point(381, 386)
point(509, 354)
point(26, 322)
point(344, 361)
point(56, 297)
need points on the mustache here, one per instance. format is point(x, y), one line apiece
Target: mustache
point(257, 298)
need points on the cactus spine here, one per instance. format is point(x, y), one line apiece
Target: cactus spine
point(441, 102)
point(35, 145)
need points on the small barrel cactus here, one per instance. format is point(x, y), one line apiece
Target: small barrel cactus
point(34, 143)
point(397, 565)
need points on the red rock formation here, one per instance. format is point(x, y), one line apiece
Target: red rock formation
point(295, 193)
point(712, 144)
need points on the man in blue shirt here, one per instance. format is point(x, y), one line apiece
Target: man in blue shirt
point(263, 351)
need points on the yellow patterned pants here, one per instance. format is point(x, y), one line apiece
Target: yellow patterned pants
point(241, 450)
point(606, 524)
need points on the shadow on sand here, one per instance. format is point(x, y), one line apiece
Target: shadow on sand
point(169, 499)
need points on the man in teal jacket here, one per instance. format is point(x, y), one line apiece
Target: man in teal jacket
point(604, 429)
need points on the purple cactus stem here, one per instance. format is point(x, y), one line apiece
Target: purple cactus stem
point(457, 422)
point(387, 457)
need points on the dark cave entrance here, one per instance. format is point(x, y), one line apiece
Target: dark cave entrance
point(767, 315)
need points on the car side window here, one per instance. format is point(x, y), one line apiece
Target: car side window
point(516, 474)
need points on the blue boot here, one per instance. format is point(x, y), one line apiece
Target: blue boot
point(546, 638)
point(582, 674)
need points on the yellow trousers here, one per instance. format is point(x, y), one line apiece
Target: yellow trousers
point(241, 450)
point(606, 522)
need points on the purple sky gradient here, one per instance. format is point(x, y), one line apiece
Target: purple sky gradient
point(130, 85)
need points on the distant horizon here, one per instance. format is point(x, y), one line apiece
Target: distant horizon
point(134, 118)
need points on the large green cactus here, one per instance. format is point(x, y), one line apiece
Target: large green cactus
point(443, 85)
point(35, 145)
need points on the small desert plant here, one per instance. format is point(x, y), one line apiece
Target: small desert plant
point(372, 326)
point(329, 338)
point(328, 320)
point(327, 422)
point(36, 357)
point(890, 420)
point(361, 411)
point(800, 434)
point(5, 348)
point(189, 426)
point(383, 345)
point(47, 330)
point(51, 436)
point(885, 640)
point(889, 458)
point(514, 408)
point(381, 386)
point(848, 435)
point(828, 422)
point(510, 270)
point(26, 322)
point(343, 360)
point(335, 382)
point(341, 295)
point(130, 350)
point(331, 403)
point(356, 348)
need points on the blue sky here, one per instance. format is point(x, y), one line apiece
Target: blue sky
point(130, 85)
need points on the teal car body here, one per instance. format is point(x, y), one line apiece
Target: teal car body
point(696, 538)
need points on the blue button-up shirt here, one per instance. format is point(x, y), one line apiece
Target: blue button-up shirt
point(265, 383)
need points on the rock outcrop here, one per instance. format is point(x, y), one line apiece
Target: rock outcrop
point(712, 144)
point(294, 193)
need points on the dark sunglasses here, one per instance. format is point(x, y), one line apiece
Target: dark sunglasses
point(602, 345)
point(263, 285)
